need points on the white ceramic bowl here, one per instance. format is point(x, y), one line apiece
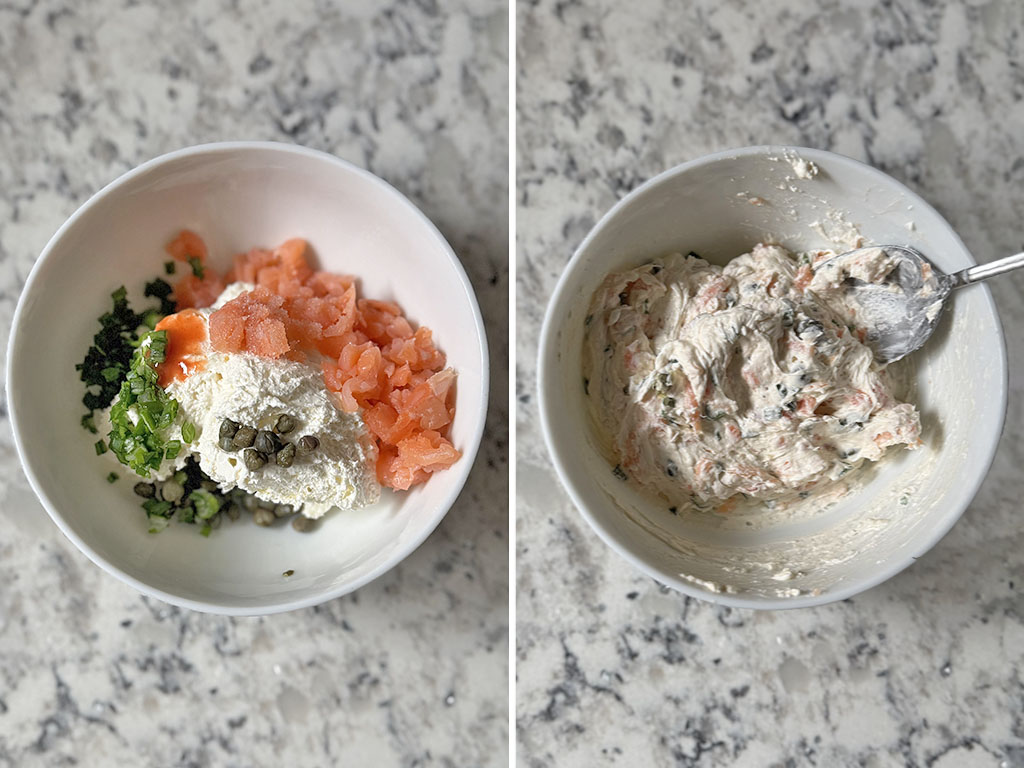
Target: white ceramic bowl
point(237, 196)
point(720, 206)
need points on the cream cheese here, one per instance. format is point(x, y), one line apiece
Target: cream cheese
point(751, 380)
point(253, 391)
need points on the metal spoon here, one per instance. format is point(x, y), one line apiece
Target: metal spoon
point(901, 312)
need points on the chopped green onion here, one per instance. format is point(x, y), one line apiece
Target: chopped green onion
point(157, 523)
point(142, 444)
point(169, 267)
point(207, 505)
point(112, 477)
point(205, 530)
point(151, 318)
point(87, 423)
point(101, 447)
point(154, 507)
point(112, 373)
point(188, 431)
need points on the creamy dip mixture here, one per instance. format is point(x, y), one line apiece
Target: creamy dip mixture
point(753, 380)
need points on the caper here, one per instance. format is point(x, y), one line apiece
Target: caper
point(267, 442)
point(284, 510)
point(172, 491)
point(145, 490)
point(214, 522)
point(232, 511)
point(307, 444)
point(302, 523)
point(263, 517)
point(226, 444)
point(286, 455)
point(228, 428)
point(244, 437)
point(253, 459)
point(284, 424)
point(250, 502)
point(264, 504)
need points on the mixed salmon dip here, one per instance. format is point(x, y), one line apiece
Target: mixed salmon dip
point(272, 388)
point(749, 381)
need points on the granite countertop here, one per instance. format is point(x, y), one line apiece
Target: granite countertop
point(925, 670)
point(410, 670)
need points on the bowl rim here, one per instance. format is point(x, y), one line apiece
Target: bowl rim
point(469, 453)
point(547, 376)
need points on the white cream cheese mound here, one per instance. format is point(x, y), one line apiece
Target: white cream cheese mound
point(253, 391)
point(751, 379)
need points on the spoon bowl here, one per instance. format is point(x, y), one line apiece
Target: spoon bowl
point(901, 311)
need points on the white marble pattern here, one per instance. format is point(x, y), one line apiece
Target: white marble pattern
point(410, 670)
point(926, 670)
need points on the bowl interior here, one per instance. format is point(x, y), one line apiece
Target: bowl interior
point(720, 207)
point(236, 197)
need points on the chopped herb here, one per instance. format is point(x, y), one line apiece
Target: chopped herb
point(151, 318)
point(108, 357)
point(197, 266)
point(101, 447)
point(619, 473)
point(169, 267)
point(113, 477)
point(206, 504)
point(188, 431)
point(172, 449)
point(586, 386)
point(157, 523)
point(155, 507)
point(804, 494)
point(87, 423)
point(205, 530)
point(141, 445)
point(904, 500)
point(588, 319)
point(162, 290)
point(289, 572)
point(670, 402)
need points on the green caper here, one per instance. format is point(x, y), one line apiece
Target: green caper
point(253, 459)
point(228, 428)
point(232, 511)
point(244, 437)
point(172, 491)
point(263, 517)
point(286, 455)
point(267, 442)
point(249, 502)
point(284, 510)
point(226, 444)
point(145, 490)
point(302, 524)
point(284, 424)
point(264, 504)
point(307, 445)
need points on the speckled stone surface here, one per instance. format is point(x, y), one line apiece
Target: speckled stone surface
point(410, 670)
point(925, 670)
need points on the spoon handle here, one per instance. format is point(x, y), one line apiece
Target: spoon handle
point(985, 271)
